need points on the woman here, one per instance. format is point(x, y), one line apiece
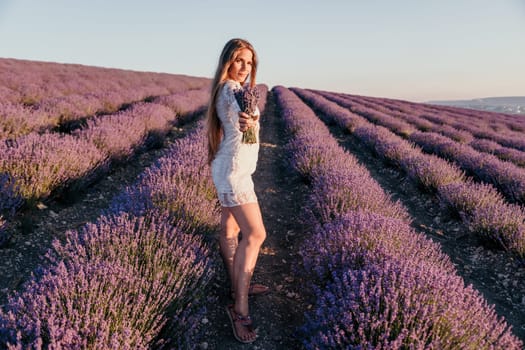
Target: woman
point(232, 164)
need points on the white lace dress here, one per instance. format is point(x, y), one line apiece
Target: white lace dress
point(235, 162)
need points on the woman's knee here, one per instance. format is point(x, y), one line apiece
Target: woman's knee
point(230, 230)
point(229, 227)
point(257, 236)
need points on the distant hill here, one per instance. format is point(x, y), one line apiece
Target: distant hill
point(506, 104)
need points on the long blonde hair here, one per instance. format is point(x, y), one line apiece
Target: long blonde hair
point(228, 56)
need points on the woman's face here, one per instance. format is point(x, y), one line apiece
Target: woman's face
point(241, 66)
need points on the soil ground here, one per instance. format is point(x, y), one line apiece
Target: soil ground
point(281, 193)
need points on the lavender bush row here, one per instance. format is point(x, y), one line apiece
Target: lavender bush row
point(488, 214)
point(508, 121)
point(510, 141)
point(41, 163)
point(516, 142)
point(437, 175)
point(494, 132)
point(305, 159)
point(178, 183)
point(68, 108)
point(454, 129)
point(347, 183)
point(33, 82)
point(400, 126)
point(430, 171)
point(332, 112)
point(114, 284)
point(360, 237)
point(496, 121)
point(366, 315)
point(17, 120)
point(158, 121)
point(188, 102)
point(45, 164)
point(504, 153)
point(403, 306)
point(263, 97)
point(509, 178)
point(366, 108)
point(47, 95)
point(506, 176)
point(477, 123)
point(447, 119)
point(10, 201)
point(119, 135)
point(441, 126)
point(133, 279)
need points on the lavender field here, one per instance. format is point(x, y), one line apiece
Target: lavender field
point(405, 225)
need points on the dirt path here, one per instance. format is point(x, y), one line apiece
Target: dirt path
point(280, 194)
point(493, 272)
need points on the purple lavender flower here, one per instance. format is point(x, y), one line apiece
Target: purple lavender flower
point(403, 306)
point(502, 223)
point(185, 103)
point(357, 238)
point(116, 283)
point(41, 164)
point(506, 176)
point(465, 197)
point(263, 96)
point(17, 120)
point(377, 283)
point(431, 171)
point(10, 201)
point(247, 98)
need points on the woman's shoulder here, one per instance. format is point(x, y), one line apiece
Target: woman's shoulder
point(231, 85)
point(228, 89)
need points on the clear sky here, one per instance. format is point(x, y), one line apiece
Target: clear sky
point(409, 49)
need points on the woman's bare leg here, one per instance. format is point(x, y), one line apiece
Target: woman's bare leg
point(228, 241)
point(248, 217)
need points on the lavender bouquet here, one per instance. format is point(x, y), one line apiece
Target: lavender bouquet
point(247, 98)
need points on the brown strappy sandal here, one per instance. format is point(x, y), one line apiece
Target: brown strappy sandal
point(244, 321)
